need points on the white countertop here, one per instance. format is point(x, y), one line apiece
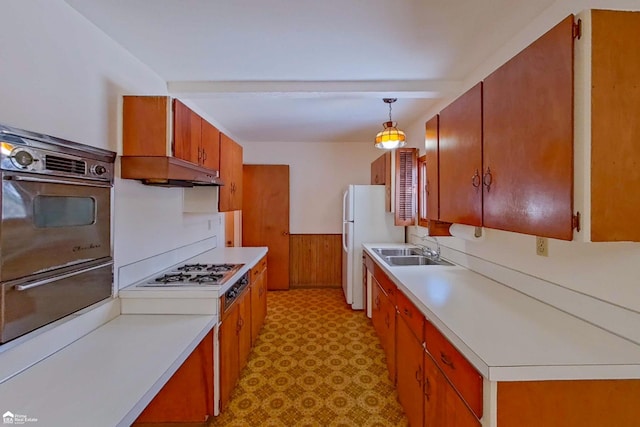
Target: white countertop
point(509, 336)
point(107, 377)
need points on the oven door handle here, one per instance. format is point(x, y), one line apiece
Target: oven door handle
point(56, 278)
point(54, 181)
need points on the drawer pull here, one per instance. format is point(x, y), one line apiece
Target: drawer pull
point(427, 388)
point(446, 360)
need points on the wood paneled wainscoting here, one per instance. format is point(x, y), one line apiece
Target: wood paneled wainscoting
point(315, 260)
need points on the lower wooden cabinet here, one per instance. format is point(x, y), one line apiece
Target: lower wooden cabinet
point(258, 297)
point(410, 372)
point(188, 395)
point(244, 328)
point(462, 375)
point(443, 407)
point(239, 328)
point(383, 317)
point(229, 351)
point(235, 344)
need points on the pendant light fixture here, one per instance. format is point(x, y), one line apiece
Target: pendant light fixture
point(391, 137)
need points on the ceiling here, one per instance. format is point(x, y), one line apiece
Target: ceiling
point(310, 71)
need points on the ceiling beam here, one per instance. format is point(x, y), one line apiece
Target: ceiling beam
point(316, 89)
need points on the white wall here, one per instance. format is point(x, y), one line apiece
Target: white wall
point(607, 271)
point(319, 173)
point(62, 76)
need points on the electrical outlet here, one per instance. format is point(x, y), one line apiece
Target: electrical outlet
point(542, 247)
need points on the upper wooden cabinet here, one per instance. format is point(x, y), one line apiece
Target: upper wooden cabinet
point(163, 141)
point(431, 169)
point(506, 145)
point(230, 196)
point(381, 169)
point(527, 128)
point(460, 159)
point(195, 139)
point(609, 93)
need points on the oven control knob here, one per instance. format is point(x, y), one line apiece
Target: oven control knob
point(99, 170)
point(22, 158)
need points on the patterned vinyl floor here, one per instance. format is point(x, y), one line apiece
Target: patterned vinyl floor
point(315, 363)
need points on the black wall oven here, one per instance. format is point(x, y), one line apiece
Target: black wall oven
point(55, 229)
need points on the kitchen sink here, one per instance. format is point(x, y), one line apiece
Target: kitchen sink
point(397, 251)
point(414, 260)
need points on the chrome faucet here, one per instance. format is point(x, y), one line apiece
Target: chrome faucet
point(426, 250)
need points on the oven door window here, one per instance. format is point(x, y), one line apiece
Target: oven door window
point(63, 211)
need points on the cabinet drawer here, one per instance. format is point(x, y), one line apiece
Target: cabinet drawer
point(257, 269)
point(411, 314)
point(387, 285)
point(463, 376)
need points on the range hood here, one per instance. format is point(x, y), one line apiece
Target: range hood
point(167, 172)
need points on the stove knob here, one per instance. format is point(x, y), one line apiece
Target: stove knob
point(99, 170)
point(23, 158)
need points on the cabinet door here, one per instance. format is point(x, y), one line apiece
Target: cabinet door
point(460, 157)
point(406, 186)
point(188, 395)
point(229, 368)
point(210, 146)
point(236, 196)
point(226, 173)
point(410, 373)
point(528, 139)
point(145, 125)
point(244, 327)
point(184, 129)
point(431, 160)
point(442, 405)
point(377, 315)
point(615, 98)
point(258, 306)
point(389, 320)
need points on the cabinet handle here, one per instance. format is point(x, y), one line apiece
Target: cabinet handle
point(446, 360)
point(427, 388)
point(487, 179)
point(377, 301)
point(387, 320)
point(419, 375)
point(475, 179)
point(426, 188)
point(204, 155)
point(407, 312)
point(376, 179)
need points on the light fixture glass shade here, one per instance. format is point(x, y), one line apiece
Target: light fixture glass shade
point(391, 137)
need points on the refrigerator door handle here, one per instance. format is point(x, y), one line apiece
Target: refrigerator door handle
point(344, 236)
point(344, 208)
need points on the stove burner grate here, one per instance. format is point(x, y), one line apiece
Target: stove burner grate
point(206, 278)
point(172, 277)
point(192, 267)
point(221, 267)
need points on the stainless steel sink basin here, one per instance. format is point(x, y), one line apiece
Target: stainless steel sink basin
point(397, 251)
point(414, 260)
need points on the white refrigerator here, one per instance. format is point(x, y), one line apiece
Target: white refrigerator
point(364, 220)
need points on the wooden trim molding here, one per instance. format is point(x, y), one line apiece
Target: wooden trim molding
point(315, 260)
